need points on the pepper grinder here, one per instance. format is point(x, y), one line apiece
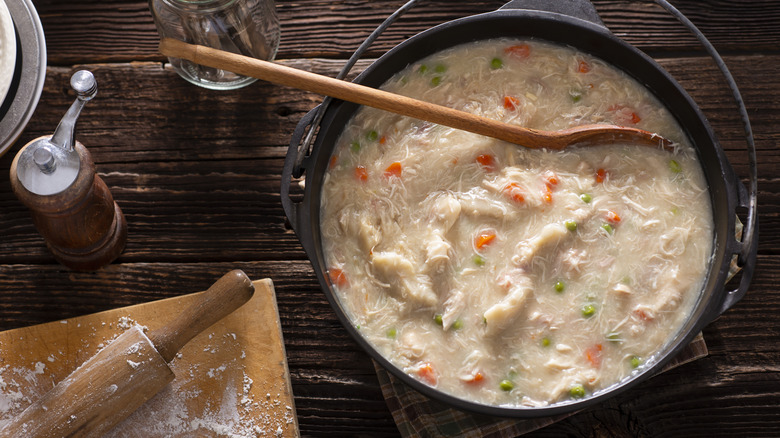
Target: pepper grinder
point(71, 206)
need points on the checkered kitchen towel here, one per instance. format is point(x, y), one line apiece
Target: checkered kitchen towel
point(419, 416)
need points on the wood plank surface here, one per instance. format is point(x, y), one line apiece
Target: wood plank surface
point(197, 173)
point(123, 30)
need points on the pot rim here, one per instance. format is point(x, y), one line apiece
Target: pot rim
point(729, 194)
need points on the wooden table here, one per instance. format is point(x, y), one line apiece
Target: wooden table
point(197, 173)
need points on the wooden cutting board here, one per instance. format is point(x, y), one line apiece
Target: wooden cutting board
point(231, 380)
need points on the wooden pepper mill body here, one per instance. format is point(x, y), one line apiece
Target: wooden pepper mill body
point(83, 227)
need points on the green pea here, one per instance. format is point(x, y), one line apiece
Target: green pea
point(423, 69)
point(576, 95)
point(357, 327)
point(458, 324)
point(440, 68)
point(586, 198)
point(588, 310)
point(674, 166)
point(506, 385)
point(478, 260)
point(435, 81)
point(355, 146)
point(496, 63)
point(571, 225)
point(577, 391)
point(608, 228)
point(559, 286)
point(372, 135)
point(437, 319)
point(391, 333)
point(545, 342)
point(635, 362)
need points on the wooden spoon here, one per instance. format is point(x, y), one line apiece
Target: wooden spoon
point(531, 138)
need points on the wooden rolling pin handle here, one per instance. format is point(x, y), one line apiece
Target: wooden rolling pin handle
point(222, 298)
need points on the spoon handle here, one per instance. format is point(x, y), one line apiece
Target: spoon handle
point(395, 103)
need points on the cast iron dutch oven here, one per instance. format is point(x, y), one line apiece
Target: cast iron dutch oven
point(577, 24)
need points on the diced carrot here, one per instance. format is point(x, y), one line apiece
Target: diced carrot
point(394, 169)
point(475, 378)
point(641, 314)
point(550, 178)
point(337, 277)
point(624, 115)
point(484, 238)
point(520, 51)
point(601, 175)
point(361, 173)
point(487, 161)
point(428, 374)
point(514, 192)
point(333, 161)
point(583, 67)
point(382, 140)
point(547, 194)
point(511, 102)
point(612, 217)
point(550, 181)
point(593, 355)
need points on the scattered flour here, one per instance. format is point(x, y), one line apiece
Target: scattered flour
point(184, 408)
point(179, 410)
point(212, 372)
point(135, 348)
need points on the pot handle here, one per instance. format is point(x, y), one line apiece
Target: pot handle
point(744, 257)
point(582, 9)
point(746, 247)
point(293, 168)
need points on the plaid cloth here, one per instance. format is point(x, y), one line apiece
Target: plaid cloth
point(419, 416)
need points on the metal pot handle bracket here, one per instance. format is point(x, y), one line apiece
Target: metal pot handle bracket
point(744, 248)
point(582, 9)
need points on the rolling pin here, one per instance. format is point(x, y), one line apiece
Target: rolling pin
point(125, 374)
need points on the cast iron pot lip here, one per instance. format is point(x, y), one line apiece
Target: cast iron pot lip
point(706, 309)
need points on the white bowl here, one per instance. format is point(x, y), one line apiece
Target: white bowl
point(7, 50)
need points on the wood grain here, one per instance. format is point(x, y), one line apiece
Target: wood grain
point(231, 379)
point(123, 30)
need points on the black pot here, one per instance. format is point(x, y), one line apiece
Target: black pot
point(576, 24)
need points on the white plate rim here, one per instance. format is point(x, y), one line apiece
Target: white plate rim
point(33, 72)
point(7, 50)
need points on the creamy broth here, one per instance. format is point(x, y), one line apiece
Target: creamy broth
point(508, 276)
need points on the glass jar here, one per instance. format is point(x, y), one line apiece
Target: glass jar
point(247, 27)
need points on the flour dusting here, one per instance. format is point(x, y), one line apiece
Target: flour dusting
point(211, 396)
